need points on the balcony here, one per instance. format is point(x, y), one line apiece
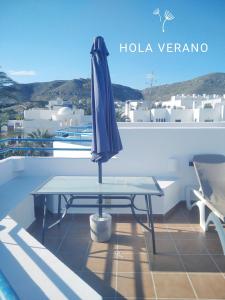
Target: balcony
point(189, 263)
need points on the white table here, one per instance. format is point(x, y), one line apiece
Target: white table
point(87, 187)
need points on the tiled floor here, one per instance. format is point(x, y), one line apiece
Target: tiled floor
point(189, 264)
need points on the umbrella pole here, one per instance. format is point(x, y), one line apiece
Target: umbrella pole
point(100, 196)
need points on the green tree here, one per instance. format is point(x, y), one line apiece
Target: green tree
point(4, 117)
point(120, 117)
point(38, 134)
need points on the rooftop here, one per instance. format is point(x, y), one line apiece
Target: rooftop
point(188, 265)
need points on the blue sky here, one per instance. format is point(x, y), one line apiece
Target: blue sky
point(43, 40)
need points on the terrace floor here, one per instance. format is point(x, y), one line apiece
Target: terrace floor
point(189, 264)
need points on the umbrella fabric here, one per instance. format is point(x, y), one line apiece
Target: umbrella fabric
point(106, 140)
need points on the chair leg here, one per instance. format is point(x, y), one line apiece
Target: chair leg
point(212, 218)
point(201, 207)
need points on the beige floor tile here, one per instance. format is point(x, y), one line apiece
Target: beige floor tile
point(194, 246)
point(163, 246)
point(101, 262)
point(70, 244)
point(135, 285)
point(128, 228)
point(79, 231)
point(131, 243)
point(52, 244)
point(98, 262)
point(165, 263)
point(102, 283)
point(214, 246)
point(220, 262)
point(199, 263)
point(186, 234)
point(111, 245)
point(208, 286)
point(132, 262)
point(173, 285)
point(74, 260)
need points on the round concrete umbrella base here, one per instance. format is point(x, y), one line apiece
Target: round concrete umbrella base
point(101, 228)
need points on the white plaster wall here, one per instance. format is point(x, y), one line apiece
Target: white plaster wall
point(147, 151)
point(162, 152)
point(31, 114)
point(86, 119)
point(74, 154)
point(160, 113)
point(45, 114)
point(6, 170)
point(139, 115)
point(24, 212)
point(209, 114)
point(33, 125)
point(185, 115)
point(171, 125)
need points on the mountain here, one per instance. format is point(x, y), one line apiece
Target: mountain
point(67, 89)
point(12, 93)
point(5, 80)
point(213, 83)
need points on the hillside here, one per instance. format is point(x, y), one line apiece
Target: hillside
point(66, 89)
point(213, 83)
point(12, 93)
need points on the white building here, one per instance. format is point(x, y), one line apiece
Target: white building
point(55, 116)
point(51, 119)
point(180, 108)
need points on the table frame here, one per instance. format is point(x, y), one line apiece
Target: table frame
point(69, 199)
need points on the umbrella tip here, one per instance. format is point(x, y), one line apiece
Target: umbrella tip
point(98, 37)
point(99, 45)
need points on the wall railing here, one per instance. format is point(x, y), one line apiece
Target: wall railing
point(38, 146)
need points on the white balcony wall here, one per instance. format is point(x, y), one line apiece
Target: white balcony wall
point(171, 125)
point(162, 152)
point(147, 151)
point(6, 170)
point(70, 153)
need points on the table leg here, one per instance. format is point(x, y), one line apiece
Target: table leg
point(151, 222)
point(44, 219)
point(100, 206)
point(59, 206)
point(147, 210)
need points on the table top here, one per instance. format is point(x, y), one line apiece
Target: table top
point(88, 185)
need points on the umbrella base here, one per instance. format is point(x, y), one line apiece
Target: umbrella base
point(101, 228)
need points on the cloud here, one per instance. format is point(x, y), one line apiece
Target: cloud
point(22, 73)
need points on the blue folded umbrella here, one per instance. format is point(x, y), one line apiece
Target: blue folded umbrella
point(106, 140)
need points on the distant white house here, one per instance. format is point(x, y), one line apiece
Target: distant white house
point(180, 108)
point(57, 115)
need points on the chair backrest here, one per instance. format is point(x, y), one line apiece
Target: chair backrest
point(210, 170)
